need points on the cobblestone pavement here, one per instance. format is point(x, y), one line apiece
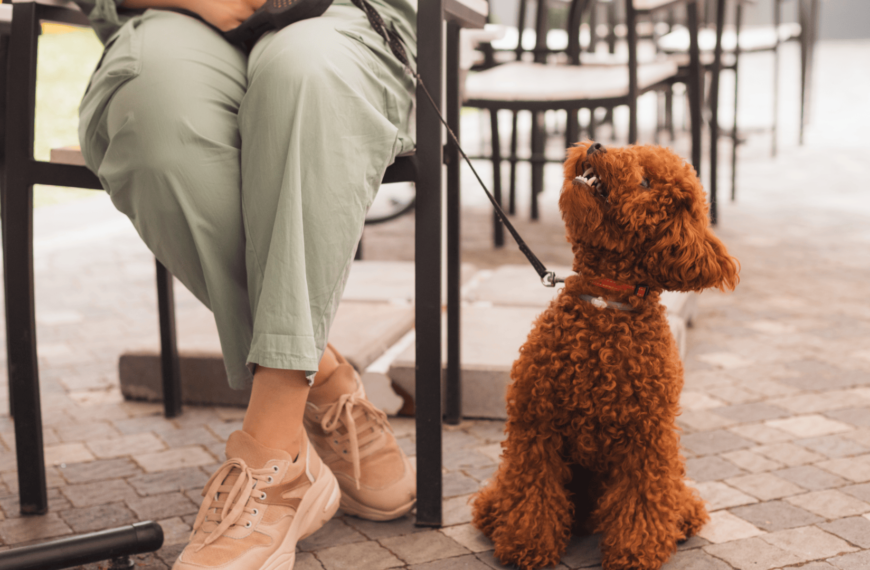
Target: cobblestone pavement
point(776, 421)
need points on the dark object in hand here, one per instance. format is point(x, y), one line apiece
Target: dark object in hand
point(274, 15)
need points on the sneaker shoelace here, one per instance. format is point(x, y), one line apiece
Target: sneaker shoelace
point(226, 502)
point(342, 411)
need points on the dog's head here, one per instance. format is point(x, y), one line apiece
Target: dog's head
point(639, 213)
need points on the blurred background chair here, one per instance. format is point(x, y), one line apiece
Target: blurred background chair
point(561, 73)
point(723, 39)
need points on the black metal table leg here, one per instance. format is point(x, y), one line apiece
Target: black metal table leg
point(170, 367)
point(18, 262)
point(427, 268)
point(453, 407)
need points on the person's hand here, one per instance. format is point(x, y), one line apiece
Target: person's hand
point(224, 14)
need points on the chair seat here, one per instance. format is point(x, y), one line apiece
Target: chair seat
point(557, 39)
point(522, 81)
point(68, 155)
point(402, 170)
point(752, 38)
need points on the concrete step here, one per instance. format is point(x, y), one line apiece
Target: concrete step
point(361, 331)
point(375, 312)
point(500, 307)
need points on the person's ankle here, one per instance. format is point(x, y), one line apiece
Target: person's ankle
point(274, 439)
point(328, 363)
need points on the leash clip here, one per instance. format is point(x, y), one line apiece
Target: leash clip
point(549, 279)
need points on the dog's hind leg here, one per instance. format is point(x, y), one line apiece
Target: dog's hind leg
point(526, 510)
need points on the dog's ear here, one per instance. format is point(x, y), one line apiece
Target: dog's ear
point(574, 158)
point(689, 257)
point(579, 212)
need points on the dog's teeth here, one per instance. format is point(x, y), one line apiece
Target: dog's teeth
point(593, 180)
point(581, 179)
point(588, 172)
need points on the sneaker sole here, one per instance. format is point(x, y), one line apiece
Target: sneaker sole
point(318, 505)
point(355, 508)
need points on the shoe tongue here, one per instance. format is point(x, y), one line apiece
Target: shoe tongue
point(240, 444)
point(342, 381)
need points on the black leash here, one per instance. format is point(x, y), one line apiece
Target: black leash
point(397, 46)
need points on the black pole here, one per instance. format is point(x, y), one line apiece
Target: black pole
point(427, 265)
point(85, 549)
point(170, 367)
point(453, 407)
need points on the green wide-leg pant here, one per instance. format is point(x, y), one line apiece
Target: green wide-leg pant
point(249, 176)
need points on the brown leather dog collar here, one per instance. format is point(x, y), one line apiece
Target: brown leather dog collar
point(639, 290)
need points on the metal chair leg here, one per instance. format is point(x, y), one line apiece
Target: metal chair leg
point(497, 226)
point(170, 366)
point(633, 89)
point(714, 111)
point(512, 195)
point(695, 94)
point(23, 368)
point(734, 133)
point(774, 135)
point(538, 160)
point(572, 127)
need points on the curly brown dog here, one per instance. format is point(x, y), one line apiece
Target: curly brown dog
point(596, 387)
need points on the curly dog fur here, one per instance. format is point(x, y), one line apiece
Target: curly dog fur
point(592, 442)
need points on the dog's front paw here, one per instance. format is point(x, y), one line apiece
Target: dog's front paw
point(693, 515)
point(633, 560)
point(526, 556)
point(484, 512)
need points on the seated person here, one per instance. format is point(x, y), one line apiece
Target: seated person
point(248, 175)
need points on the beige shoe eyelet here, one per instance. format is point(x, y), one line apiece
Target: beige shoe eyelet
point(256, 512)
point(262, 496)
point(275, 468)
point(335, 441)
point(248, 524)
point(270, 479)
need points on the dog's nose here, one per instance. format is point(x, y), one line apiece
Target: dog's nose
point(595, 148)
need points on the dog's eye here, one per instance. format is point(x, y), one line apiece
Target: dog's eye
point(644, 183)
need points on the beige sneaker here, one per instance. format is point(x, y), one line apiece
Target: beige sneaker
point(257, 506)
point(355, 440)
